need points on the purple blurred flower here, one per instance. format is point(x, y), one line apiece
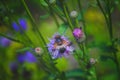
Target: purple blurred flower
point(79, 34)
point(26, 57)
point(60, 46)
point(20, 26)
point(23, 23)
point(13, 67)
point(4, 42)
point(21, 58)
point(29, 57)
point(15, 26)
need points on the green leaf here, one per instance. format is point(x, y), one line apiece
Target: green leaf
point(43, 3)
point(79, 17)
point(24, 49)
point(105, 58)
point(75, 73)
point(108, 48)
point(44, 16)
point(63, 28)
point(80, 53)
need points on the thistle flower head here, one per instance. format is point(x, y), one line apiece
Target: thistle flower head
point(79, 34)
point(73, 14)
point(60, 46)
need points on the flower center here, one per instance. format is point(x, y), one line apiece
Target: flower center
point(62, 50)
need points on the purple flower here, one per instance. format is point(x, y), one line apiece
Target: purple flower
point(26, 57)
point(59, 46)
point(23, 23)
point(29, 57)
point(4, 42)
point(20, 26)
point(79, 34)
point(21, 58)
point(15, 26)
point(13, 66)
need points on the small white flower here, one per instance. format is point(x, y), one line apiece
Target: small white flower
point(93, 61)
point(73, 14)
point(38, 50)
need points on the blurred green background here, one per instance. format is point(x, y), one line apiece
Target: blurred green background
point(96, 29)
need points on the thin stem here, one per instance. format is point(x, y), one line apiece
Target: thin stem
point(33, 21)
point(84, 27)
point(104, 14)
point(57, 12)
point(55, 19)
point(53, 15)
point(77, 22)
point(36, 27)
point(109, 25)
point(12, 39)
point(111, 36)
point(67, 16)
point(82, 15)
point(12, 19)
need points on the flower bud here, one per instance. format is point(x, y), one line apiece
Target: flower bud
point(73, 14)
point(79, 34)
point(93, 61)
point(38, 50)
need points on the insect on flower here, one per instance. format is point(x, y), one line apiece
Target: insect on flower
point(60, 46)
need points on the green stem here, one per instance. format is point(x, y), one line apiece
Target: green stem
point(26, 36)
point(55, 19)
point(84, 27)
point(77, 22)
point(63, 77)
point(82, 15)
point(104, 14)
point(53, 15)
point(67, 16)
point(109, 25)
point(111, 36)
point(12, 39)
point(57, 12)
point(7, 9)
point(33, 21)
point(37, 29)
